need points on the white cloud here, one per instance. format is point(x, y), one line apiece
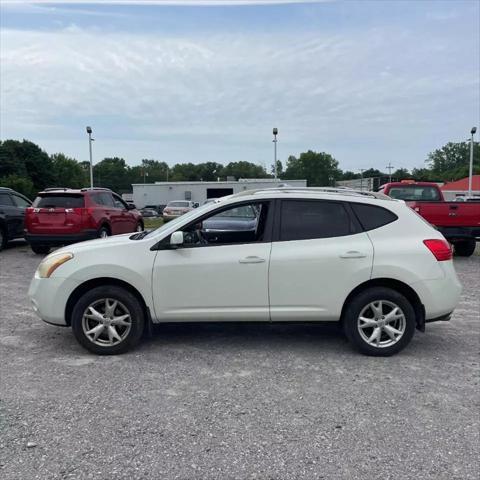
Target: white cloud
point(217, 96)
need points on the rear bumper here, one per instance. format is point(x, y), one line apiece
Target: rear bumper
point(459, 233)
point(439, 297)
point(49, 239)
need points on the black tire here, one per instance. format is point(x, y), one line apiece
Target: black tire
point(40, 249)
point(3, 238)
point(140, 227)
point(103, 232)
point(359, 303)
point(127, 300)
point(465, 248)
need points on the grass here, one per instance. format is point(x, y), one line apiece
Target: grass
point(152, 222)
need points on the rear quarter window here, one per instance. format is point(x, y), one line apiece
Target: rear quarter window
point(371, 216)
point(59, 201)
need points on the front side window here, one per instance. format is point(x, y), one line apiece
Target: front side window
point(237, 224)
point(119, 203)
point(304, 219)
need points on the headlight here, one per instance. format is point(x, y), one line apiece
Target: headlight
point(51, 263)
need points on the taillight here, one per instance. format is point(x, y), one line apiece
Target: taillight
point(440, 248)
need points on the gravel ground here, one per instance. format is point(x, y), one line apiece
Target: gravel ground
point(229, 401)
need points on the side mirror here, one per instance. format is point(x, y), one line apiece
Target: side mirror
point(176, 238)
point(131, 206)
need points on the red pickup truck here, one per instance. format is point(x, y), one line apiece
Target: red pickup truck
point(459, 222)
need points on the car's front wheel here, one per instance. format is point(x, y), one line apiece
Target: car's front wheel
point(108, 320)
point(379, 321)
point(40, 249)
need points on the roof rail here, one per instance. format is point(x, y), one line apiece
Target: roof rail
point(85, 189)
point(50, 189)
point(331, 190)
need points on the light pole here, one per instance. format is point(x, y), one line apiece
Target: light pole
point(361, 179)
point(90, 140)
point(470, 169)
point(275, 133)
point(389, 166)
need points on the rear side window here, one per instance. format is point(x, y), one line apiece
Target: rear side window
point(59, 201)
point(303, 220)
point(102, 198)
point(372, 217)
point(5, 199)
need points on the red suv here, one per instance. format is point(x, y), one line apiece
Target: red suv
point(60, 216)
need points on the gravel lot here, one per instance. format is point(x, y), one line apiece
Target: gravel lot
point(229, 401)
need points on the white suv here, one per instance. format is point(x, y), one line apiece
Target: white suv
point(275, 255)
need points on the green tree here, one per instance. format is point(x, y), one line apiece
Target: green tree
point(451, 162)
point(19, 184)
point(28, 160)
point(401, 174)
point(349, 175)
point(184, 172)
point(318, 168)
point(244, 170)
point(280, 172)
point(68, 172)
point(112, 173)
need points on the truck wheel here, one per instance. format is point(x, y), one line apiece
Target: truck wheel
point(40, 249)
point(465, 248)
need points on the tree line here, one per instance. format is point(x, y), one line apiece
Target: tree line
point(26, 168)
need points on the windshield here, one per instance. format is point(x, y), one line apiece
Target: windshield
point(414, 193)
point(186, 216)
point(177, 204)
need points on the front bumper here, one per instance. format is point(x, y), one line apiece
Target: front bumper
point(49, 239)
point(49, 298)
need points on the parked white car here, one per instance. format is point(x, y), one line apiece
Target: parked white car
point(365, 260)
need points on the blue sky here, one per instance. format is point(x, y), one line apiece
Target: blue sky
point(368, 82)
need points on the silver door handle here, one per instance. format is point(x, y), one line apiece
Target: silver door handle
point(252, 259)
point(352, 254)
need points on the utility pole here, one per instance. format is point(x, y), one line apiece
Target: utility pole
point(390, 167)
point(470, 169)
point(90, 140)
point(275, 133)
point(361, 178)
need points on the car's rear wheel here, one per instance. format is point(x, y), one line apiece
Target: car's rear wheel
point(465, 248)
point(379, 321)
point(108, 320)
point(3, 238)
point(40, 249)
point(140, 227)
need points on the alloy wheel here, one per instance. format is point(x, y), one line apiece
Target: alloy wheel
point(106, 322)
point(381, 323)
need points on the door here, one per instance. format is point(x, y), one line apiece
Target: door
point(127, 220)
point(319, 255)
point(22, 203)
point(221, 278)
point(10, 212)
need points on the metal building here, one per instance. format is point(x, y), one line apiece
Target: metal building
point(160, 193)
